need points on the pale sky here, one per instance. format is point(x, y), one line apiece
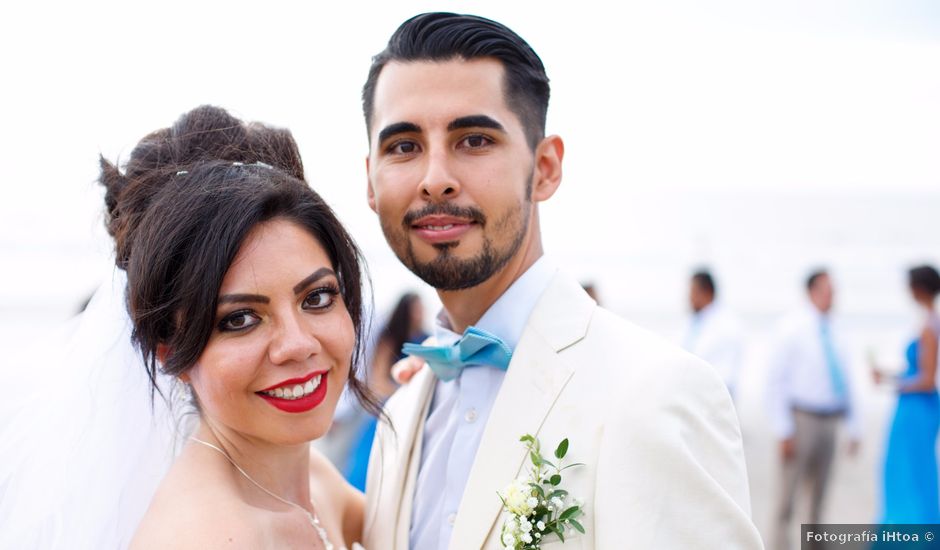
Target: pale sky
point(654, 100)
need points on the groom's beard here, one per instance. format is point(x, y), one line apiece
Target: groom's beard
point(447, 272)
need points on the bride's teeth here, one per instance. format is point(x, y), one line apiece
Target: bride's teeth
point(298, 390)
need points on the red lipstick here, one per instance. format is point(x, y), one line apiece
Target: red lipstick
point(302, 404)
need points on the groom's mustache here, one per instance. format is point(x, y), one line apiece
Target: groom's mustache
point(445, 209)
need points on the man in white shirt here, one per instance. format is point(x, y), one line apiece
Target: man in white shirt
point(809, 393)
point(713, 333)
point(455, 108)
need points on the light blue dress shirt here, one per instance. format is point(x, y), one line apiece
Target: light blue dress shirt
point(801, 375)
point(459, 412)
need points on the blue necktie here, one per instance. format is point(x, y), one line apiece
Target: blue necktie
point(832, 361)
point(475, 348)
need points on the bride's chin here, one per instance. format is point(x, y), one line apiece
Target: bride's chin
point(310, 431)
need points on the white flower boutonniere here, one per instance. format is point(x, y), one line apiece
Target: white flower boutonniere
point(537, 504)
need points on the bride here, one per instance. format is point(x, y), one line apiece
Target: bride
point(243, 292)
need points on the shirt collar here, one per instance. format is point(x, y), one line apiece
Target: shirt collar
point(817, 316)
point(507, 317)
point(706, 312)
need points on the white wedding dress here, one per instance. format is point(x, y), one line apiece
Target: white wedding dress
point(82, 446)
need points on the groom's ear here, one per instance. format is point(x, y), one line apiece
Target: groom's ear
point(370, 193)
point(548, 159)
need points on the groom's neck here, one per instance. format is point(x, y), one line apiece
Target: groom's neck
point(465, 307)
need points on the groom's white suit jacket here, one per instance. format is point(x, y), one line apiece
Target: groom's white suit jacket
point(654, 427)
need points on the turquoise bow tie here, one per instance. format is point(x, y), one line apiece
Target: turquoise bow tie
point(475, 348)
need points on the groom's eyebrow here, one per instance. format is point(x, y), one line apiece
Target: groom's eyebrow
point(398, 128)
point(475, 121)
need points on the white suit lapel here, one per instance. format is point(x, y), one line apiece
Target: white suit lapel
point(400, 459)
point(535, 378)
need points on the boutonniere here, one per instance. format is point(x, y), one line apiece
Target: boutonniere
point(537, 504)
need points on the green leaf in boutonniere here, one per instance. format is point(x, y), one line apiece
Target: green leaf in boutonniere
point(536, 505)
point(562, 449)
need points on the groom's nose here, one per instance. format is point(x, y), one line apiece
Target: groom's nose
point(438, 183)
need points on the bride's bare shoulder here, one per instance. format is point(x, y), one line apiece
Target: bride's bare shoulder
point(194, 509)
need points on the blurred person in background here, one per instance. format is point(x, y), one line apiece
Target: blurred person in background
point(910, 469)
point(809, 393)
point(713, 334)
point(405, 324)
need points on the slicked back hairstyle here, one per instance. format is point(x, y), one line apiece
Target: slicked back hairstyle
point(443, 36)
point(180, 211)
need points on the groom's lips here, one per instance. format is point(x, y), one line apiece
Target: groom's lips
point(441, 229)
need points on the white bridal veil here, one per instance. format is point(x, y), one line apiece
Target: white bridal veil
point(82, 446)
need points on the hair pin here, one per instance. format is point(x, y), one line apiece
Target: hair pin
point(236, 163)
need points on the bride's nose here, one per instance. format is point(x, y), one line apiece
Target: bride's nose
point(293, 341)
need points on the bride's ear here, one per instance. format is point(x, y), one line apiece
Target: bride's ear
point(163, 351)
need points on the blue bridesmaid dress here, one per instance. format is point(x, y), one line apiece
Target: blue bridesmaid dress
point(910, 474)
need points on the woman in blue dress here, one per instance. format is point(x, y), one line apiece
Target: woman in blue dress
point(910, 474)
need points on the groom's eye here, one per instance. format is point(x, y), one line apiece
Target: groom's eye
point(403, 148)
point(476, 141)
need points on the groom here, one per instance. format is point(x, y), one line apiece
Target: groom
point(455, 109)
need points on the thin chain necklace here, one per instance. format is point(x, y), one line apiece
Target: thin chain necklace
point(314, 520)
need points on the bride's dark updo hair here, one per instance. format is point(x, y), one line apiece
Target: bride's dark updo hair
point(179, 212)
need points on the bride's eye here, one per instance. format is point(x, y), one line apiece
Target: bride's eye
point(321, 298)
point(238, 320)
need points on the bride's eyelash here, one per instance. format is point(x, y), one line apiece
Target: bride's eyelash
point(329, 288)
point(223, 322)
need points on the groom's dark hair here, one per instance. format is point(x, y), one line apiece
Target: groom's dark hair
point(445, 36)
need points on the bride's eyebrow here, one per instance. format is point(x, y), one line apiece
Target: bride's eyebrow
point(298, 288)
point(241, 298)
point(312, 278)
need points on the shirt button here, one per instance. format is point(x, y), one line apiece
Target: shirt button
point(452, 519)
point(471, 415)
